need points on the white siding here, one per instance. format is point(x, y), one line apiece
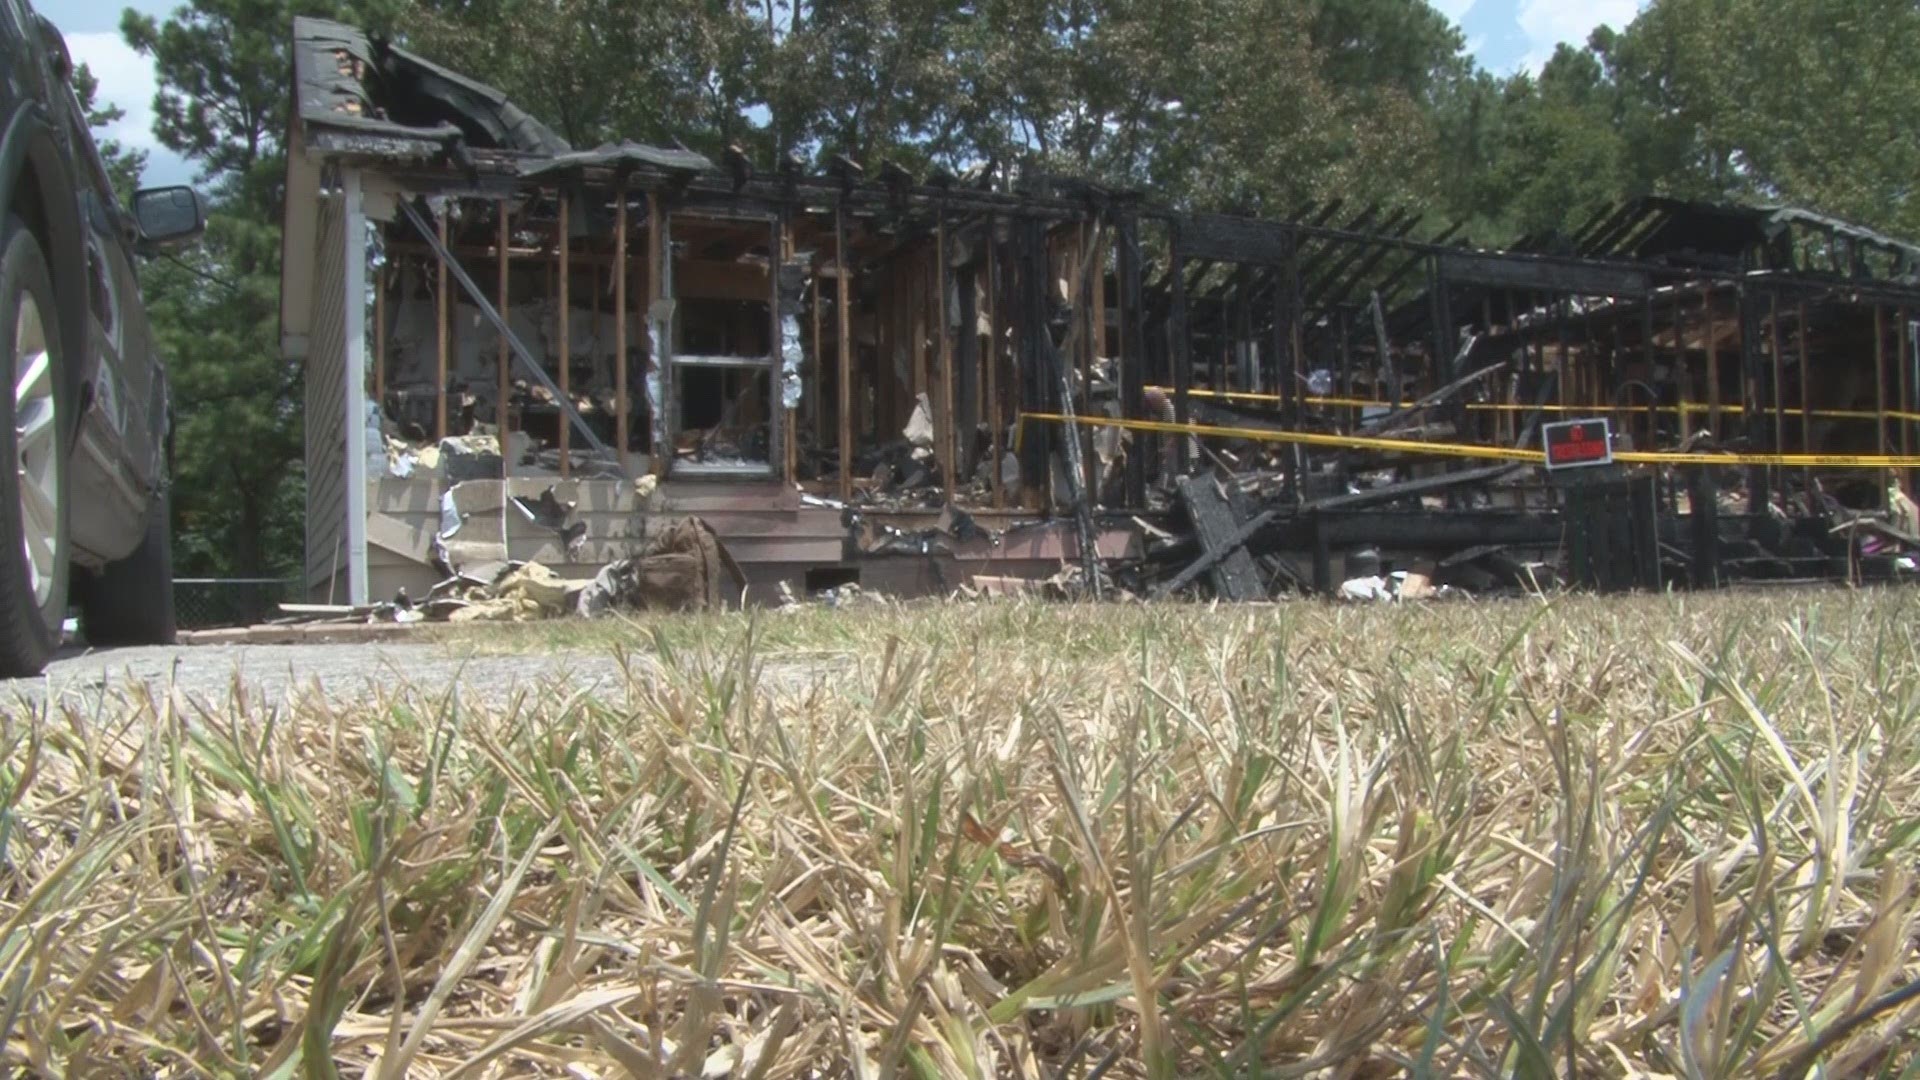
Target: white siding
point(325, 423)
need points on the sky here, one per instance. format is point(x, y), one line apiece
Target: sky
point(1504, 35)
point(1509, 35)
point(92, 30)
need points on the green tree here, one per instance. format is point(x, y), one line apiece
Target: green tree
point(1808, 102)
point(1245, 103)
point(1387, 46)
point(1557, 152)
point(1240, 104)
point(598, 70)
point(1815, 102)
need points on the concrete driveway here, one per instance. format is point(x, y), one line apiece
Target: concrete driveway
point(341, 671)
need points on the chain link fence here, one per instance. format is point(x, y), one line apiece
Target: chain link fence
point(204, 603)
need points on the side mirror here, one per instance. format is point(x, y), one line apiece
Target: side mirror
point(167, 216)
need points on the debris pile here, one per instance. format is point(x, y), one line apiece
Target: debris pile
point(403, 449)
point(1397, 585)
point(837, 596)
point(1250, 528)
point(1069, 584)
point(685, 568)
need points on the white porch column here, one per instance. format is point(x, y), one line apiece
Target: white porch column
point(354, 266)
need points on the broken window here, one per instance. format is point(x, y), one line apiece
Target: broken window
point(720, 389)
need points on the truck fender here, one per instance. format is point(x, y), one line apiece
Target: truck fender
point(29, 153)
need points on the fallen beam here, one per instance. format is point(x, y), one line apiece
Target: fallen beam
point(1233, 544)
point(1399, 415)
point(1234, 575)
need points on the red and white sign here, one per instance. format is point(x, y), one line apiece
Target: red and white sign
point(1573, 444)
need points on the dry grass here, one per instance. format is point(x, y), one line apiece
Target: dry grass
point(1668, 836)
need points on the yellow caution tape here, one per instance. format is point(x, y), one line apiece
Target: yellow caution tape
point(1470, 450)
point(1691, 408)
point(1310, 399)
point(1797, 461)
point(1302, 438)
point(1694, 407)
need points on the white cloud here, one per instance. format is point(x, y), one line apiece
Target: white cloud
point(126, 81)
point(1547, 23)
point(1452, 9)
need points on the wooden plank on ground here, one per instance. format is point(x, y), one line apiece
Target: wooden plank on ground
point(1215, 526)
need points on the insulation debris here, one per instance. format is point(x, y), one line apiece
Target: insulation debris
point(919, 430)
point(685, 568)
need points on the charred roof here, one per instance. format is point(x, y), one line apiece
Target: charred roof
point(353, 92)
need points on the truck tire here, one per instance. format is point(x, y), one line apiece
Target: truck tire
point(130, 602)
point(36, 428)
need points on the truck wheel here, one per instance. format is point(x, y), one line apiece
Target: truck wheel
point(131, 601)
point(34, 429)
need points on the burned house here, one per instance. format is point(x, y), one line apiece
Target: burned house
point(517, 350)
